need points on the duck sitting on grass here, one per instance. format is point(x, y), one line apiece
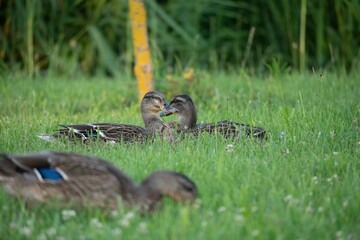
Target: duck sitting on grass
point(187, 118)
point(72, 179)
point(151, 104)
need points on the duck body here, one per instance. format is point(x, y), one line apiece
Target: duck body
point(104, 132)
point(151, 104)
point(72, 179)
point(187, 115)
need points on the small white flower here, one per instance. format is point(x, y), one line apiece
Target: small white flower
point(320, 209)
point(143, 227)
point(335, 153)
point(309, 209)
point(286, 151)
point(221, 209)
point(345, 203)
point(67, 214)
point(197, 203)
point(12, 225)
point(114, 214)
point(124, 222)
point(203, 223)
point(282, 135)
point(129, 215)
point(96, 222)
point(241, 210)
point(255, 233)
point(230, 148)
point(42, 236)
point(116, 232)
point(239, 218)
point(51, 231)
point(26, 231)
point(315, 179)
point(288, 198)
point(332, 134)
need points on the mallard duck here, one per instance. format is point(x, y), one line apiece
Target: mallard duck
point(77, 180)
point(187, 118)
point(151, 104)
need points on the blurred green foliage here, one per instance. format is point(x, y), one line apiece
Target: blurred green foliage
point(89, 37)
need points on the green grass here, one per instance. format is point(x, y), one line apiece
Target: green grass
point(303, 185)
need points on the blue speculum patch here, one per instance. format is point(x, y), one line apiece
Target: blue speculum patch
point(91, 134)
point(48, 173)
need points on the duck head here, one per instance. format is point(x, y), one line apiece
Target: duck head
point(170, 184)
point(186, 111)
point(152, 103)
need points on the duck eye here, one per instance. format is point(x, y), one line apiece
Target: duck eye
point(187, 188)
point(174, 101)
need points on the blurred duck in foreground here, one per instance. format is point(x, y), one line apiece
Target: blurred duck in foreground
point(187, 118)
point(151, 104)
point(76, 180)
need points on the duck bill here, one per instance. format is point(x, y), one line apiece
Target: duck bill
point(168, 110)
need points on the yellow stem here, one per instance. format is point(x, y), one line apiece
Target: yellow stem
point(143, 66)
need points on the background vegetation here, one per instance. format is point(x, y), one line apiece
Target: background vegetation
point(71, 37)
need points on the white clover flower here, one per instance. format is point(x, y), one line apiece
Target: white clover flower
point(67, 214)
point(51, 231)
point(221, 209)
point(320, 209)
point(143, 227)
point(114, 213)
point(124, 222)
point(254, 209)
point(116, 232)
point(315, 179)
point(332, 134)
point(288, 198)
point(42, 237)
point(96, 222)
point(282, 135)
point(129, 215)
point(12, 225)
point(26, 231)
point(309, 209)
point(335, 153)
point(204, 223)
point(239, 218)
point(255, 233)
point(230, 148)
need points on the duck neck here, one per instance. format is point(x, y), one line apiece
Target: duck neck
point(152, 122)
point(188, 119)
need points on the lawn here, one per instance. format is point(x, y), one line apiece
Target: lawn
point(302, 183)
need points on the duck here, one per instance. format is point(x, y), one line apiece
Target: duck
point(151, 105)
point(70, 179)
point(187, 121)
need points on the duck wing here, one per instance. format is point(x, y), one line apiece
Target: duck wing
point(65, 177)
point(105, 132)
point(230, 129)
